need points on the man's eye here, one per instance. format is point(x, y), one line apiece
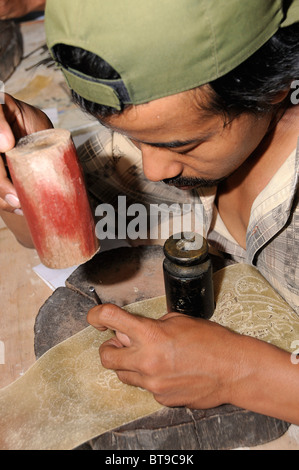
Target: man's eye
point(188, 150)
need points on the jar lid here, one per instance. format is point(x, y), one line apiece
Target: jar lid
point(186, 248)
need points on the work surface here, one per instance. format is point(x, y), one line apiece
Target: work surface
point(130, 275)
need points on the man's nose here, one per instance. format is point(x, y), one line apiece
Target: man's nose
point(159, 164)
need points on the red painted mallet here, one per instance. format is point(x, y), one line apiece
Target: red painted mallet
point(50, 184)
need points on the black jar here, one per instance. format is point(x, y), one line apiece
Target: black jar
point(188, 275)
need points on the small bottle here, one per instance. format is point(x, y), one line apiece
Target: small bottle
point(188, 275)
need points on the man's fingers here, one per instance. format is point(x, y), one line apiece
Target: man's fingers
point(8, 112)
point(7, 139)
point(8, 197)
point(130, 378)
point(17, 119)
point(123, 339)
point(115, 357)
point(115, 318)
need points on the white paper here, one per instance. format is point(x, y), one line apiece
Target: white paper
point(54, 278)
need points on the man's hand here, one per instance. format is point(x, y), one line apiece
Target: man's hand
point(181, 360)
point(196, 363)
point(17, 119)
point(16, 8)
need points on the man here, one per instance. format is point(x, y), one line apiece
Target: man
point(206, 91)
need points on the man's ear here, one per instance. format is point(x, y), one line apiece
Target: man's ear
point(281, 96)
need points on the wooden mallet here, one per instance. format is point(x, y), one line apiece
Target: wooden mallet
point(49, 181)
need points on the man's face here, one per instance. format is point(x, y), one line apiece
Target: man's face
point(186, 146)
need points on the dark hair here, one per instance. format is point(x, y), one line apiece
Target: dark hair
point(253, 85)
point(250, 87)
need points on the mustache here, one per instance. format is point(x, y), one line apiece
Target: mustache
point(184, 181)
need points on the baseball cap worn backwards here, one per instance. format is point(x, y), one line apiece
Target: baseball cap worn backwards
point(161, 47)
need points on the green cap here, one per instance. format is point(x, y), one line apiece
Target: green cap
point(162, 47)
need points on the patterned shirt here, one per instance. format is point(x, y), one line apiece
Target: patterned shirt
point(113, 167)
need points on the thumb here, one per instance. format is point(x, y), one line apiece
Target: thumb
point(123, 338)
point(7, 139)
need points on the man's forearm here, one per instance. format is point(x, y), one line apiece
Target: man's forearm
point(10, 9)
point(37, 5)
point(268, 381)
point(18, 226)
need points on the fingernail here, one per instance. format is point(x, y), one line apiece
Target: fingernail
point(12, 200)
point(18, 212)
